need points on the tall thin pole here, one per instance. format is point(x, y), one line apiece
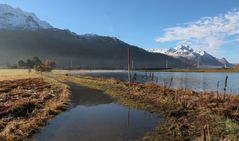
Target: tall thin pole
point(129, 62)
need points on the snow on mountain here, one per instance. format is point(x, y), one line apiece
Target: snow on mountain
point(15, 18)
point(187, 53)
point(180, 51)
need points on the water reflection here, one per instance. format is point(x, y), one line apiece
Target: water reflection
point(128, 118)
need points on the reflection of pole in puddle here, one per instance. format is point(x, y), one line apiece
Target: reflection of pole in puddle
point(146, 115)
point(128, 118)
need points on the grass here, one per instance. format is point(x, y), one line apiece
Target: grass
point(27, 102)
point(13, 74)
point(188, 115)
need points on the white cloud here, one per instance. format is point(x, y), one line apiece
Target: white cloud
point(208, 33)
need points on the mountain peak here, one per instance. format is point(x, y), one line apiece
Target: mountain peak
point(184, 48)
point(15, 18)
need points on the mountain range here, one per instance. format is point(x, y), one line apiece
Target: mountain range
point(196, 58)
point(23, 35)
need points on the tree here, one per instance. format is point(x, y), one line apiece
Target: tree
point(36, 61)
point(50, 64)
point(37, 64)
point(29, 64)
point(21, 63)
point(47, 66)
point(40, 68)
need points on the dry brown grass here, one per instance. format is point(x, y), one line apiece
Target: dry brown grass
point(27, 104)
point(13, 74)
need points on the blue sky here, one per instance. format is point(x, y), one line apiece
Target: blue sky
point(148, 23)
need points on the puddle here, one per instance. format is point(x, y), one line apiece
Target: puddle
point(96, 117)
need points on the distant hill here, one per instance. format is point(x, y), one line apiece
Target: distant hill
point(88, 51)
point(225, 62)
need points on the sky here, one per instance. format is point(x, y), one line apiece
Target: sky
point(211, 25)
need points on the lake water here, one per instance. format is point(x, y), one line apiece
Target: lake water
point(94, 116)
point(198, 81)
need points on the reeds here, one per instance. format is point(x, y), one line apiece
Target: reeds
point(149, 76)
point(218, 85)
point(225, 87)
point(206, 136)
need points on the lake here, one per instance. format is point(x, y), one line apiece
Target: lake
point(198, 81)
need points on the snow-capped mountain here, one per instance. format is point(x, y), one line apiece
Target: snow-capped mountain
point(194, 57)
point(180, 51)
point(15, 18)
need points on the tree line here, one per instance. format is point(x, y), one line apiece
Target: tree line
point(37, 64)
